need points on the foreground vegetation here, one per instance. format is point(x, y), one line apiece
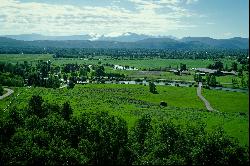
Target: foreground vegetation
point(43, 133)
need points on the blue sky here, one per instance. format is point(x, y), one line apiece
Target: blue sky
point(180, 18)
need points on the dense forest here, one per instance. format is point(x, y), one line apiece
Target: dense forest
point(47, 133)
point(129, 53)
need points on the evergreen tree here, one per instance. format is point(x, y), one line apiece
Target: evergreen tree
point(152, 87)
point(234, 66)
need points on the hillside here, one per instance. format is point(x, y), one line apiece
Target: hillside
point(149, 43)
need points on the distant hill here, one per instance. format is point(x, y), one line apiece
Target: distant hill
point(149, 43)
point(232, 43)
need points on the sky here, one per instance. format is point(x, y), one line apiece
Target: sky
point(179, 18)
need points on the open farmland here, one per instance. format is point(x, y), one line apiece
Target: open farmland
point(132, 101)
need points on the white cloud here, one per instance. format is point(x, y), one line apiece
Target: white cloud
point(31, 17)
point(191, 1)
point(228, 34)
point(210, 23)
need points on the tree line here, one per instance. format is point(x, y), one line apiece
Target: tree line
point(136, 53)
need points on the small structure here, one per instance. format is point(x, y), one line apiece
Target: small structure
point(163, 103)
point(176, 72)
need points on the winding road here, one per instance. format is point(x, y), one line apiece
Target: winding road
point(9, 92)
point(207, 104)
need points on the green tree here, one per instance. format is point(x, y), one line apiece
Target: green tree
point(211, 80)
point(242, 81)
point(218, 65)
point(197, 77)
point(183, 67)
point(100, 71)
point(152, 87)
point(71, 84)
point(83, 72)
point(35, 105)
point(65, 77)
point(66, 111)
point(240, 72)
point(234, 66)
point(1, 90)
point(235, 83)
point(226, 68)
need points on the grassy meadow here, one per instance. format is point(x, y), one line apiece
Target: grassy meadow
point(138, 63)
point(132, 101)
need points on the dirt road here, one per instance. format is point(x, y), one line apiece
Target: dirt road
point(207, 104)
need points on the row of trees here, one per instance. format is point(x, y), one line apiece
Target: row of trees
point(129, 53)
point(218, 65)
point(44, 74)
point(50, 134)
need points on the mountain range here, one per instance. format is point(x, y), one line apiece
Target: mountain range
point(125, 37)
point(126, 40)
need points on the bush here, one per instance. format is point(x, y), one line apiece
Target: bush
point(1, 90)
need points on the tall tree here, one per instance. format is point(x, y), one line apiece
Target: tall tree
point(35, 105)
point(66, 111)
point(1, 90)
point(234, 66)
point(152, 87)
point(183, 67)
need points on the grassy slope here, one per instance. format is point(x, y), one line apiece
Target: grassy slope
point(233, 102)
point(227, 101)
point(131, 101)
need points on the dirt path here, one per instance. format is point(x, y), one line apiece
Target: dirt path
point(9, 92)
point(207, 104)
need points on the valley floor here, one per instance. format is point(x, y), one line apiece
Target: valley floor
point(132, 101)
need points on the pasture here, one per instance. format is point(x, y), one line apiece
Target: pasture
point(138, 63)
point(131, 101)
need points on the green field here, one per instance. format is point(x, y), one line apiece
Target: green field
point(145, 63)
point(138, 63)
point(20, 58)
point(224, 101)
point(131, 101)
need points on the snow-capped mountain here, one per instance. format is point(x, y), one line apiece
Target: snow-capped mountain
point(125, 37)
